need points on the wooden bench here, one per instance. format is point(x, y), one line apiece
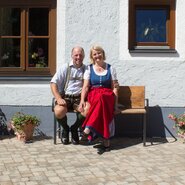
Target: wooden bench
point(131, 100)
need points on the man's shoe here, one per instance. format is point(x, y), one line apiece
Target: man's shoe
point(74, 137)
point(74, 142)
point(65, 141)
point(65, 137)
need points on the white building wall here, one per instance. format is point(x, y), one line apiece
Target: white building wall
point(105, 22)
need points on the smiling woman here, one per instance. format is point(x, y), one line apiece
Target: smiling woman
point(25, 29)
point(101, 93)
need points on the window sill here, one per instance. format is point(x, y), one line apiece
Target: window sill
point(24, 79)
point(153, 51)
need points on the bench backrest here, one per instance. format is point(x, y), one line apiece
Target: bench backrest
point(132, 96)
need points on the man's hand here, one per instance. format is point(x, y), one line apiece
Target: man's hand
point(61, 102)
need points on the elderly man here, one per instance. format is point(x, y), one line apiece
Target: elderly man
point(66, 86)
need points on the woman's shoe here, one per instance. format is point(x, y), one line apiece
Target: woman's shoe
point(98, 145)
point(84, 138)
point(102, 149)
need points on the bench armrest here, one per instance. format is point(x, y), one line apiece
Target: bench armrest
point(146, 102)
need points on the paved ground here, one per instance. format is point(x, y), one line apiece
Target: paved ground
point(43, 163)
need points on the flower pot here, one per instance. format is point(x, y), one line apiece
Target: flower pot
point(26, 134)
point(23, 125)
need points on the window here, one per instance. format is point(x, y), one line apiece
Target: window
point(27, 37)
point(151, 24)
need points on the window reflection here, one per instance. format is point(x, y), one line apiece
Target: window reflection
point(38, 21)
point(10, 21)
point(10, 53)
point(151, 25)
point(24, 40)
point(38, 52)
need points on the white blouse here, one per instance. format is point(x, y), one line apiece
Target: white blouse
point(112, 71)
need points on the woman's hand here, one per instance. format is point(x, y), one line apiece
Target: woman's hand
point(81, 106)
point(84, 108)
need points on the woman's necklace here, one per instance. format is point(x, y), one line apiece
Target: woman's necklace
point(100, 68)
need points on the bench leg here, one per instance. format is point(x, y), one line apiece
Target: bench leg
point(55, 130)
point(144, 130)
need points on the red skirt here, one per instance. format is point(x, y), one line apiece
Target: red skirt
point(101, 112)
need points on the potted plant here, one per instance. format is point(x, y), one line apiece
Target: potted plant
point(23, 125)
point(179, 124)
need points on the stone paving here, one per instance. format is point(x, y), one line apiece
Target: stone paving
point(128, 163)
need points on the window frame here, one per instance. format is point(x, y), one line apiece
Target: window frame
point(25, 71)
point(170, 32)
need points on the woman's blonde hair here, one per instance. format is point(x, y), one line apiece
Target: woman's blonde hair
point(97, 48)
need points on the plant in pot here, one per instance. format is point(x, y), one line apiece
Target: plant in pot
point(179, 124)
point(24, 125)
